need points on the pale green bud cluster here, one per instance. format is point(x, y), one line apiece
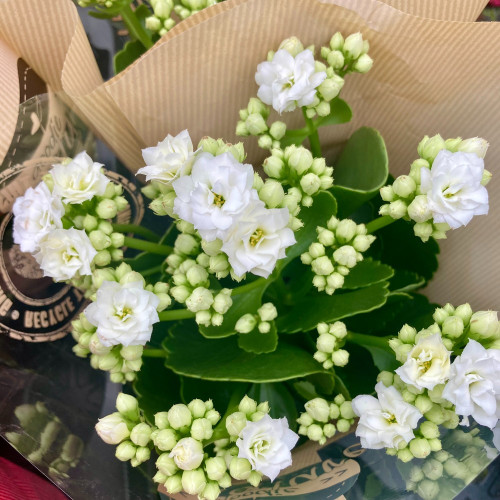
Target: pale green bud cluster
point(331, 339)
point(317, 421)
point(404, 198)
point(94, 219)
point(44, 439)
point(162, 196)
point(186, 8)
point(122, 363)
point(339, 247)
point(217, 147)
point(445, 471)
point(295, 166)
point(347, 56)
point(161, 21)
point(136, 444)
point(253, 121)
point(262, 321)
point(100, 3)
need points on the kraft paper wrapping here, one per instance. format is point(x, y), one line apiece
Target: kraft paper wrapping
point(433, 73)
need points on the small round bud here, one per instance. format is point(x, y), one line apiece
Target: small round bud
point(247, 405)
point(106, 209)
point(387, 378)
point(197, 408)
point(278, 130)
point(179, 416)
point(213, 416)
point(326, 343)
point(267, 312)
point(300, 160)
point(235, 423)
point(453, 327)
point(485, 325)
point(315, 432)
point(353, 45)
point(173, 484)
point(464, 312)
point(240, 468)
point(143, 454)
point(340, 357)
point(337, 41)
point(346, 410)
point(310, 183)
point(165, 439)
point(397, 209)
point(141, 434)
point(420, 447)
point(343, 425)
point(322, 266)
point(215, 468)
point(345, 231)
point(404, 455)
point(193, 481)
point(256, 124)
point(318, 409)
point(128, 406)
point(429, 430)
point(201, 429)
point(346, 256)
point(211, 491)
point(161, 420)
point(272, 193)
point(407, 334)
point(187, 454)
point(246, 323)
point(125, 451)
point(404, 186)
point(363, 64)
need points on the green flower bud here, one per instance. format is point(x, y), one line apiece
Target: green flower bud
point(326, 343)
point(345, 231)
point(353, 45)
point(125, 451)
point(165, 439)
point(265, 141)
point(102, 259)
point(346, 256)
point(256, 124)
point(420, 447)
point(430, 147)
point(300, 159)
point(464, 312)
point(315, 432)
point(346, 410)
point(200, 300)
point(292, 45)
point(179, 416)
point(240, 468)
point(486, 177)
point(387, 378)
point(387, 193)
point(407, 334)
point(142, 455)
point(211, 491)
point(274, 167)
point(246, 323)
point(343, 425)
point(166, 465)
point(474, 145)
point(404, 186)
point(89, 223)
point(272, 193)
point(423, 230)
point(404, 455)
point(363, 64)
point(215, 468)
point(485, 325)
point(337, 41)
point(264, 327)
point(213, 416)
point(173, 484)
point(99, 240)
point(196, 275)
point(440, 315)
point(310, 183)
point(197, 408)
point(453, 327)
point(429, 430)
point(194, 481)
point(322, 266)
point(397, 209)
point(278, 130)
point(247, 405)
point(159, 477)
point(161, 420)
point(435, 444)
point(201, 429)
point(267, 312)
point(128, 406)
point(362, 242)
point(235, 423)
point(316, 250)
point(428, 489)
point(141, 434)
point(340, 357)
point(423, 404)
point(318, 409)
point(255, 105)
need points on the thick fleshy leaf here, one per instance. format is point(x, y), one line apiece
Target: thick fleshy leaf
point(193, 355)
point(280, 401)
point(367, 272)
point(328, 308)
point(259, 343)
point(157, 388)
point(360, 171)
point(131, 51)
point(405, 281)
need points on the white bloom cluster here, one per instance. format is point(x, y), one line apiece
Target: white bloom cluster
point(444, 189)
point(214, 192)
point(70, 253)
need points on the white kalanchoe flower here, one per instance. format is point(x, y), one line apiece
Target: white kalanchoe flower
point(215, 194)
point(266, 444)
point(258, 239)
point(36, 213)
point(65, 253)
point(474, 385)
point(79, 180)
point(112, 429)
point(387, 421)
point(287, 82)
point(169, 159)
point(123, 314)
point(187, 454)
point(453, 188)
point(428, 363)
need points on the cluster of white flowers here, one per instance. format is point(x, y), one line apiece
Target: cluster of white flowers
point(65, 253)
point(215, 194)
point(444, 189)
point(430, 384)
point(257, 444)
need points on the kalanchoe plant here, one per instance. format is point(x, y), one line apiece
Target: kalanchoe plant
point(244, 292)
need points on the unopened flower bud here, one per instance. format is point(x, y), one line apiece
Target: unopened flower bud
point(194, 481)
point(340, 357)
point(407, 334)
point(256, 124)
point(318, 409)
point(267, 312)
point(125, 451)
point(453, 327)
point(474, 145)
point(300, 160)
point(315, 432)
point(353, 45)
point(484, 324)
point(420, 447)
point(310, 183)
point(173, 484)
point(200, 300)
point(128, 406)
point(165, 439)
point(346, 256)
point(345, 231)
point(141, 434)
point(235, 423)
point(274, 167)
point(240, 468)
point(363, 64)
point(201, 429)
point(215, 468)
point(404, 186)
point(423, 230)
point(464, 312)
point(430, 147)
point(322, 266)
point(397, 209)
point(179, 416)
point(337, 41)
point(418, 209)
point(272, 193)
point(246, 323)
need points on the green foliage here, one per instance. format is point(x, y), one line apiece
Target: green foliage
point(367, 272)
point(328, 308)
point(360, 171)
point(259, 343)
point(131, 51)
point(193, 355)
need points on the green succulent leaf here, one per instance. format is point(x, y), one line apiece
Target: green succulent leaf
point(259, 343)
point(367, 272)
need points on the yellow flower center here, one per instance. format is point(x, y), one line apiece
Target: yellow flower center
point(256, 237)
point(123, 312)
point(218, 199)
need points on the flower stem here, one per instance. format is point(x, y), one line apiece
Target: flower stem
point(176, 314)
point(154, 353)
point(379, 223)
point(135, 27)
point(250, 286)
point(152, 270)
point(134, 228)
point(313, 136)
point(368, 341)
point(148, 246)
